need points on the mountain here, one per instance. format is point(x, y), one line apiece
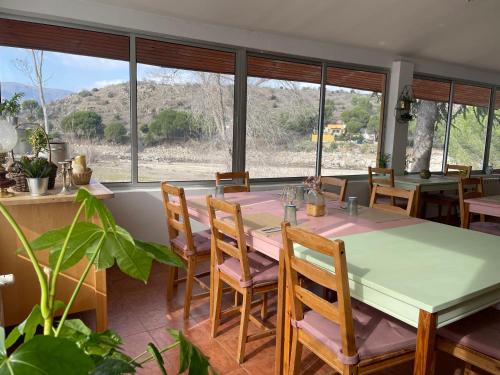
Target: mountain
point(9, 88)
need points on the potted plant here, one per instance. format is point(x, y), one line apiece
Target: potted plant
point(37, 171)
point(39, 141)
point(67, 346)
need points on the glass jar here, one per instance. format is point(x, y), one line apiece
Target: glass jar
point(315, 203)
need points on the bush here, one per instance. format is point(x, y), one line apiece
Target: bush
point(171, 124)
point(115, 133)
point(85, 93)
point(83, 124)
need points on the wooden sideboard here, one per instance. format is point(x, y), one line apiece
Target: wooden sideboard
point(37, 215)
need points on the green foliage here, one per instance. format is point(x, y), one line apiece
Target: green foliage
point(115, 132)
point(11, 107)
point(71, 347)
point(84, 93)
point(37, 139)
point(36, 167)
point(361, 115)
point(83, 124)
point(303, 123)
point(171, 124)
point(31, 106)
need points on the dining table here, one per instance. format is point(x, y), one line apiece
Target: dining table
point(434, 183)
point(425, 274)
point(487, 205)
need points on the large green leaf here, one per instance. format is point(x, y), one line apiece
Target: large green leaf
point(3, 348)
point(111, 366)
point(84, 235)
point(105, 258)
point(94, 206)
point(190, 357)
point(27, 327)
point(47, 239)
point(153, 350)
point(44, 355)
point(160, 253)
point(130, 259)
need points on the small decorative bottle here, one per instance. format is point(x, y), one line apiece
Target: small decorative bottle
point(315, 198)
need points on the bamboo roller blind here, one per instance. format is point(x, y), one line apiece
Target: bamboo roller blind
point(284, 70)
point(356, 79)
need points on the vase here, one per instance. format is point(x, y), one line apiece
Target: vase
point(38, 186)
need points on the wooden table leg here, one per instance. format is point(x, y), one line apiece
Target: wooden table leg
point(280, 316)
point(466, 216)
point(426, 339)
point(101, 309)
point(418, 201)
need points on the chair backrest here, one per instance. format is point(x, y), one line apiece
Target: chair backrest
point(468, 188)
point(392, 192)
point(176, 213)
point(340, 313)
point(245, 176)
point(335, 182)
point(381, 176)
point(230, 225)
point(460, 170)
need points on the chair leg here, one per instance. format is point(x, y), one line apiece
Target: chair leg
point(170, 282)
point(263, 308)
point(245, 317)
point(217, 293)
point(296, 353)
point(237, 298)
point(189, 286)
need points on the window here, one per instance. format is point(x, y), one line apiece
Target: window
point(426, 133)
point(494, 159)
point(351, 133)
point(185, 99)
point(468, 126)
point(75, 84)
point(282, 117)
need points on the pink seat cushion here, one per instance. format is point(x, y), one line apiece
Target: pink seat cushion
point(480, 332)
point(262, 270)
point(376, 333)
point(486, 227)
point(201, 242)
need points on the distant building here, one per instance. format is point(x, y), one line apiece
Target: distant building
point(329, 132)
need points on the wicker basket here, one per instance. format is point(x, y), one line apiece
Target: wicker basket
point(21, 182)
point(82, 178)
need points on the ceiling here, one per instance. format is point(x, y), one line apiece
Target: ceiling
point(457, 31)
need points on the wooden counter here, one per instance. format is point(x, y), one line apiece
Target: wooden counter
point(36, 215)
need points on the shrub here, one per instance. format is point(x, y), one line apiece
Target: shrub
point(115, 132)
point(171, 124)
point(85, 93)
point(83, 124)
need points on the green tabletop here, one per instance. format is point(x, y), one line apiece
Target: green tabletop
point(434, 267)
point(434, 183)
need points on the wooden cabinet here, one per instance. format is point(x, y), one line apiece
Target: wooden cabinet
point(36, 215)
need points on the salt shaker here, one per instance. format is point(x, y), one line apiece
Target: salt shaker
point(219, 192)
point(291, 214)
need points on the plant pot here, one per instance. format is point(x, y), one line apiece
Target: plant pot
point(38, 186)
point(425, 174)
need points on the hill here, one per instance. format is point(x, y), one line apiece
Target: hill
point(9, 88)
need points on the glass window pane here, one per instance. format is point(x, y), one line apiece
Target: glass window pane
point(427, 131)
point(81, 100)
point(351, 132)
point(185, 121)
point(469, 123)
point(282, 117)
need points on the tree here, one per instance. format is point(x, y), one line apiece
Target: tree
point(427, 116)
point(171, 124)
point(34, 70)
point(83, 124)
point(31, 106)
point(115, 132)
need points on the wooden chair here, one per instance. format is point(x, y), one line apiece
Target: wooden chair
point(349, 336)
point(443, 200)
point(381, 176)
point(245, 176)
point(475, 340)
point(248, 273)
point(473, 188)
point(339, 183)
point(193, 248)
point(392, 193)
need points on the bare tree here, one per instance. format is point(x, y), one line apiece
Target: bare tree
point(33, 68)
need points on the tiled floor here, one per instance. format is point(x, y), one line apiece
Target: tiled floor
point(140, 314)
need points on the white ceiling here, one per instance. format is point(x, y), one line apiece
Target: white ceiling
point(457, 31)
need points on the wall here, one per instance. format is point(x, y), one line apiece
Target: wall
point(102, 15)
point(141, 211)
